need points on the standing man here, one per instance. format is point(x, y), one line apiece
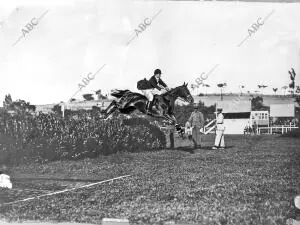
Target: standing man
point(196, 121)
point(254, 127)
point(220, 128)
point(152, 87)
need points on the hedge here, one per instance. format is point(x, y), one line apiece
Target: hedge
point(48, 137)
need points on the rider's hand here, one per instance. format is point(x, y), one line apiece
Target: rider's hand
point(167, 89)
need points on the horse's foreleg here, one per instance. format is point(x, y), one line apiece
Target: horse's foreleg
point(174, 119)
point(171, 118)
point(161, 114)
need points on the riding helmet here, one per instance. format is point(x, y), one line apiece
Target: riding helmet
point(157, 71)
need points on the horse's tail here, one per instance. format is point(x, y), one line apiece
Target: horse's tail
point(118, 93)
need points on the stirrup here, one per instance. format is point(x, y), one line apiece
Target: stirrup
point(147, 106)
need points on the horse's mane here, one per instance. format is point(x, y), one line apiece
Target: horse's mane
point(170, 91)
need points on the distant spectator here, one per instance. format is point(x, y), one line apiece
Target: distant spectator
point(254, 127)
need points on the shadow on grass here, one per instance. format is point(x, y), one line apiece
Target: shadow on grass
point(193, 150)
point(186, 149)
point(229, 147)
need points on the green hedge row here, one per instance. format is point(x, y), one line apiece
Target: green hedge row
point(48, 137)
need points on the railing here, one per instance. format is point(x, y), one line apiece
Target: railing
point(276, 129)
point(208, 127)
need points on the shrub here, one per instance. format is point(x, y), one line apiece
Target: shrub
point(294, 133)
point(50, 137)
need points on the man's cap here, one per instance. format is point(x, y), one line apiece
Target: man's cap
point(157, 71)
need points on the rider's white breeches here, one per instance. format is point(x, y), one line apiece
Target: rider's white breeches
point(150, 92)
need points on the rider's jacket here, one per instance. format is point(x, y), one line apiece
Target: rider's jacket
point(152, 83)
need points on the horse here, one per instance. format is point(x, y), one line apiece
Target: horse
point(163, 105)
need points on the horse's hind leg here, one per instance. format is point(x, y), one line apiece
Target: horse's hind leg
point(110, 109)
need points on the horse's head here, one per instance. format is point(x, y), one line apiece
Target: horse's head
point(184, 93)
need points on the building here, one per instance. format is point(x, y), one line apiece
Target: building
point(282, 112)
point(260, 118)
point(236, 115)
point(75, 105)
point(282, 119)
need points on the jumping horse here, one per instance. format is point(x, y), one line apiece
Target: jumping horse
point(163, 105)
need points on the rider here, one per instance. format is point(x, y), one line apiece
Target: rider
point(153, 87)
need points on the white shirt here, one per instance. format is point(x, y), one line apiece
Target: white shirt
point(220, 122)
point(220, 118)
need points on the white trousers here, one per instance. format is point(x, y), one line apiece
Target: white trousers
point(149, 93)
point(219, 140)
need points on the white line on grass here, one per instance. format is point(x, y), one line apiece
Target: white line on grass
point(66, 190)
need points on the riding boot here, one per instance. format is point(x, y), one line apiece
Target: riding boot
point(150, 105)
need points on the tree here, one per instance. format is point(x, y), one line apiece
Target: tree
point(206, 86)
point(292, 77)
point(275, 90)
point(19, 105)
point(262, 86)
point(284, 88)
point(241, 88)
point(297, 99)
point(298, 90)
point(7, 101)
point(183, 112)
point(193, 87)
point(221, 86)
point(88, 97)
point(32, 107)
point(57, 109)
point(99, 94)
point(257, 104)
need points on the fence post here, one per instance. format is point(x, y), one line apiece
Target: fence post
point(172, 139)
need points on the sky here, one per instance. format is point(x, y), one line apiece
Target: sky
point(76, 38)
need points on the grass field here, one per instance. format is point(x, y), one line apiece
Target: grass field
point(253, 181)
